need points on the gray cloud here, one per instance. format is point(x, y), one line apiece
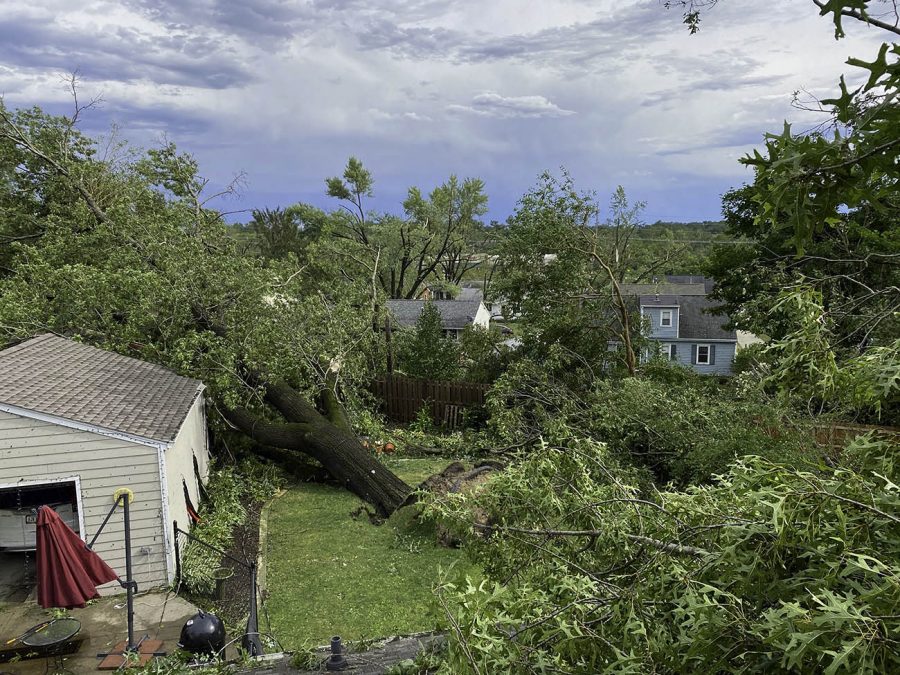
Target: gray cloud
point(257, 20)
point(494, 105)
point(600, 44)
point(122, 54)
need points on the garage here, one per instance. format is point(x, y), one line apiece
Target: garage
point(78, 424)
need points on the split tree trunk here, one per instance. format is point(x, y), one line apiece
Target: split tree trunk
point(332, 445)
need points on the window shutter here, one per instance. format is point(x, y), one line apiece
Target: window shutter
point(693, 354)
point(712, 354)
point(674, 352)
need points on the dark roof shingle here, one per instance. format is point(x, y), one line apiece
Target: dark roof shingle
point(659, 300)
point(77, 382)
point(696, 322)
point(454, 313)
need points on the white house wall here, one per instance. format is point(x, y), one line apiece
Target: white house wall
point(191, 441)
point(482, 317)
point(34, 450)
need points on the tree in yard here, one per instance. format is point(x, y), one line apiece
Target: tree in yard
point(280, 232)
point(130, 259)
point(451, 212)
point(424, 351)
point(822, 276)
point(562, 271)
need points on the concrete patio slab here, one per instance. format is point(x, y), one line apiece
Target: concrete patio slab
point(104, 623)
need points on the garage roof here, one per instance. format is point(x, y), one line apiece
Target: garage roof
point(70, 380)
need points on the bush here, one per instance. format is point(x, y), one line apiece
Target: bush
point(682, 426)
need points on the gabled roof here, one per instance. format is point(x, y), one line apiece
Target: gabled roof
point(455, 314)
point(695, 322)
point(76, 382)
point(467, 293)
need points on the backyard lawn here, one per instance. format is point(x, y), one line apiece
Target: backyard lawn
point(330, 574)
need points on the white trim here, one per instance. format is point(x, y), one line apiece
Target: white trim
point(662, 317)
point(50, 481)
point(164, 514)
point(708, 361)
point(81, 426)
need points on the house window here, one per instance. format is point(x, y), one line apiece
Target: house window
point(665, 319)
point(703, 354)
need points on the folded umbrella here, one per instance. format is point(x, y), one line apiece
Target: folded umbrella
point(68, 572)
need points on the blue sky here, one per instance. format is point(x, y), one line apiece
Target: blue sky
point(614, 90)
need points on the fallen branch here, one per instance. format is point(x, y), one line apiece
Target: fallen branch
point(668, 547)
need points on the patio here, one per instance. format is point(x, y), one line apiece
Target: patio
point(103, 624)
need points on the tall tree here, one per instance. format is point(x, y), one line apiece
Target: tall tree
point(402, 254)
point(562, 271)
point(822, 276)
point(451, 213)
point(282, 231)
point(424, 350)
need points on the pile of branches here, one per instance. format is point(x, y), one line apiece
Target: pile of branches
point(769, 568)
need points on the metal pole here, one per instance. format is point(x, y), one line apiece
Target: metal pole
point(129, 580)
point(177, 553)
point(251, 642)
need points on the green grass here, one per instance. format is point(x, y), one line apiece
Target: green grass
point(330, 574)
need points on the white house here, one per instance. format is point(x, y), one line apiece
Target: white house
point(456, 315)
point(76, 423)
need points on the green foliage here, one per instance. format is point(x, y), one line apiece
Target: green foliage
point(680, 425)
point(807, 365)
point(158, 276)
point(399, 255)
point(558, 268)
point(821, 276)
point(771, 568)
point(427, 661)
point(230, 490)
point(483, 355)
point(280, 232)
point(424, 351)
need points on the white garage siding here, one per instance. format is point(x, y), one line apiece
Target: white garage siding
point(179, 457)
point(36, 450)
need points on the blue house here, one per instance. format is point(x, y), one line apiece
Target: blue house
point(681, 324)
point(687, 333)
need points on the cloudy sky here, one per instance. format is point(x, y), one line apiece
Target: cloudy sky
point(614, 90)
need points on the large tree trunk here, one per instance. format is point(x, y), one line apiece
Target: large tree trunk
point(335, 447)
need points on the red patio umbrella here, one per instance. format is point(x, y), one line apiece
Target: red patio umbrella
point(68, 572)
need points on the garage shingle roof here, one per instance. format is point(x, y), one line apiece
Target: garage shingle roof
point(56, 376)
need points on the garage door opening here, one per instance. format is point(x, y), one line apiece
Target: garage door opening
point(18, 518)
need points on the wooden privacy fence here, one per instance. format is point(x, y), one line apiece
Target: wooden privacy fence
point(403, 397)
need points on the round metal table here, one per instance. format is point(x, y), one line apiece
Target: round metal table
point(51, 639)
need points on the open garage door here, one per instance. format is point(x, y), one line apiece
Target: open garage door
point(18, 517)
